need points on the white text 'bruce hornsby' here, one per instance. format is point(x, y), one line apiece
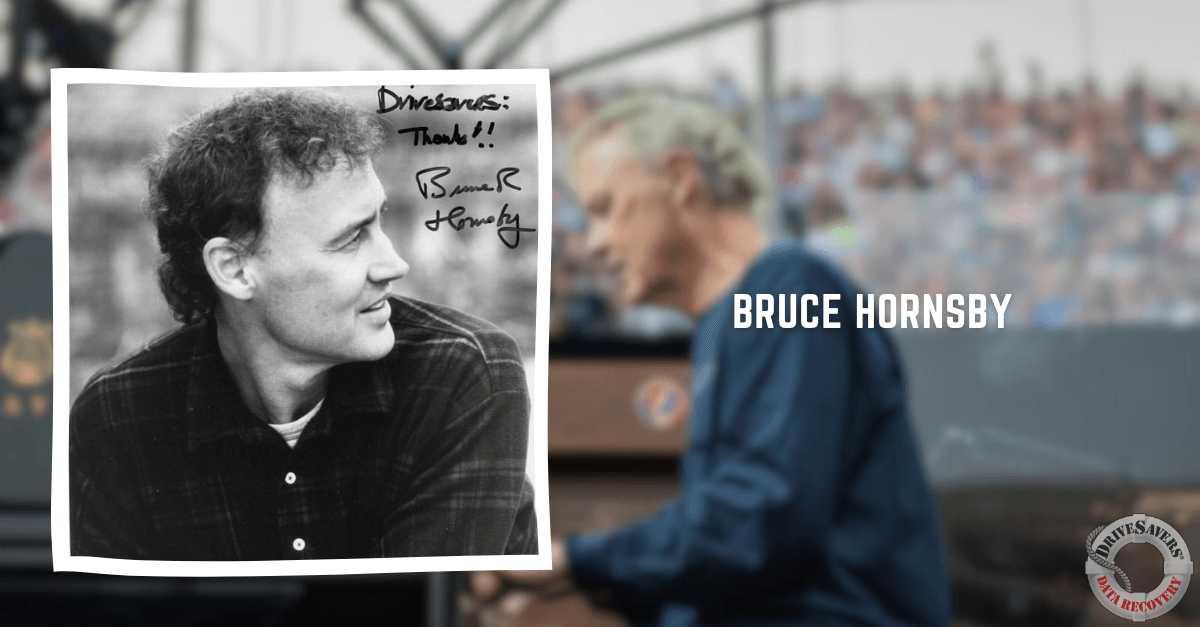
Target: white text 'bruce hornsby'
point(764, 311)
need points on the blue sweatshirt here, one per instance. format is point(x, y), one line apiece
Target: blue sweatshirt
point(802, 500)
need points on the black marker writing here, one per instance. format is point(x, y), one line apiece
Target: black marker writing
point(508, 226)
point(422, 137)
point(502, 227)
point(434, 173)
point(428, 178)
point(441, 102)
point(479, 127)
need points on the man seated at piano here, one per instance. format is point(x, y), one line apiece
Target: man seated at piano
point(802, 498)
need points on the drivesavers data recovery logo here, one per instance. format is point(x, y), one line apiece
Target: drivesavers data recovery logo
point(1120, 599)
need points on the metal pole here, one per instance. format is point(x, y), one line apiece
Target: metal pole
point(671, 38)
point(441, 609)
point(843, 64)
point(358, 7)
point(18, 33)
point(486, 21)
point(1085, 39)
point(425, 28)
point(188, 26)
point(770, 126)
point(509, 47)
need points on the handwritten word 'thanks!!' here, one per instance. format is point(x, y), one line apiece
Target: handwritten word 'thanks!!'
point(422, 136)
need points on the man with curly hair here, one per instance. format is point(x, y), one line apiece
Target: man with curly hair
point(301, 411)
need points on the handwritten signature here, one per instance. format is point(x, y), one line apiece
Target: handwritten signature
point(430, 176)
point(508, 225)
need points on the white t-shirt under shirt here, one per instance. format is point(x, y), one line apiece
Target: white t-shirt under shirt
point(291, 430)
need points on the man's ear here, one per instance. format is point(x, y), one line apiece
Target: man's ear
point(226, 262)
point(685, 177)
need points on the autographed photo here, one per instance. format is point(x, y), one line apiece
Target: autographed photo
point(303, 322)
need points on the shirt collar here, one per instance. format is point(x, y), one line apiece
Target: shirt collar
point(364, 387)
point(216, 412)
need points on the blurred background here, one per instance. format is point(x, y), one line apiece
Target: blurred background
point(1049, 149)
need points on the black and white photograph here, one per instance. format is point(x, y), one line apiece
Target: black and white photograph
point(301, 322)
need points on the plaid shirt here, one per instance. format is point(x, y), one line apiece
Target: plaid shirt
point(419, 453)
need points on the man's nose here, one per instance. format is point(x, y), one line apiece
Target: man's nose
point(597, 239)
point(390, 266)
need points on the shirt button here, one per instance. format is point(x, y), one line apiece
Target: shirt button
point(290, 478)
point(298, 544)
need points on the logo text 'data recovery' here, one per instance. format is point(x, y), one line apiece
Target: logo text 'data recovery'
point(1111, 585)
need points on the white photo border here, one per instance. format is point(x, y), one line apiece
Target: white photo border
point(59, 496)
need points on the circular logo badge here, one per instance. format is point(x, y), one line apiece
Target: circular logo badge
point(661, 403)
point(1111, 585)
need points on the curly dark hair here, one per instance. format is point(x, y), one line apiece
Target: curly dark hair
point(210, 175)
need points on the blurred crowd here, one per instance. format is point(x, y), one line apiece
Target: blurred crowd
point(1083, 207)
